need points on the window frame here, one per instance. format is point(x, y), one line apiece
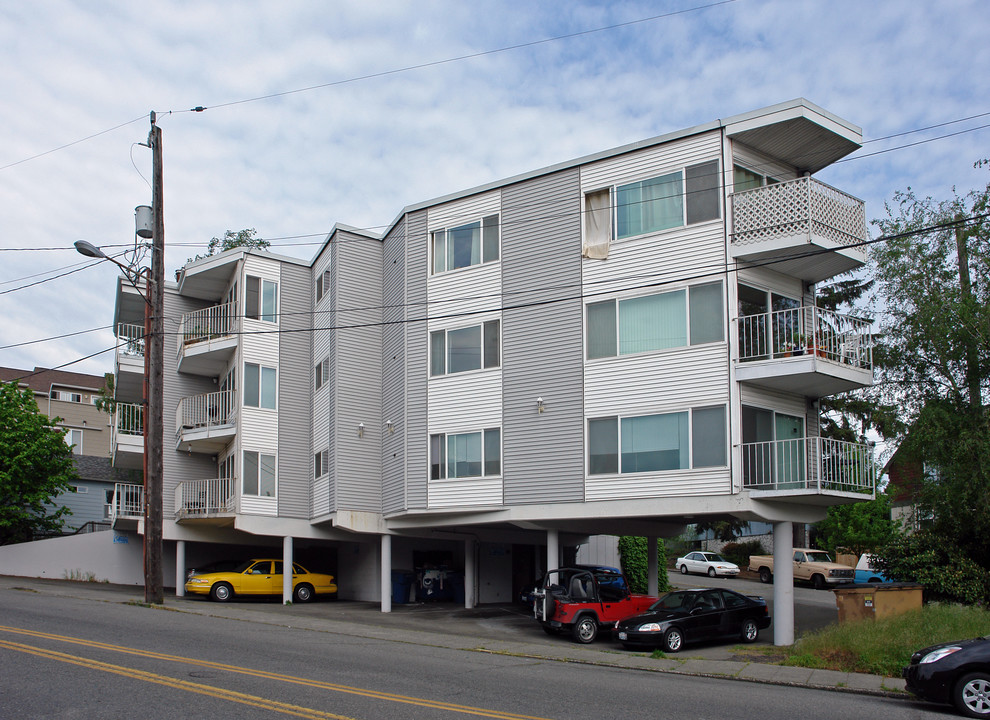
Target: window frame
point(259, 477)
point(257, 303)
point(321, 463)
point(262, 386)
point(321, 373)
point(322, 284)
point(442, 460)
point(489, 238)
point(489, 348)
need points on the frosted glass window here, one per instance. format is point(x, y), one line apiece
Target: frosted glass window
point(654, 442)
point(653, 322)
point(708, 437)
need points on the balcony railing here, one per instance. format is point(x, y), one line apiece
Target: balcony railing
point(128, 418)
point(806, 331)
point(205, 497)
point(798, 207)
point(816, 464)
point(131, 339)
point(208, 410)
point(127, 502)
point(207, 324)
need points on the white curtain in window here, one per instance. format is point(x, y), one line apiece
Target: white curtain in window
point(653, 322)
point(597, 225)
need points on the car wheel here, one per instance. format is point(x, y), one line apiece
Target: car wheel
point(585, 630)
point(673, 640)
point(750, 630)
point(765, 577)
point(819, 582)
point(683, 569)
point(711, 572)
point(303, 593)
point(971, 695)
point(221, 592)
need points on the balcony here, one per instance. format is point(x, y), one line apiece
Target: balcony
point(127, 506)
point(811, 467)
point(127, 439)
point(807, 350)
point(802, 228)
point(207, 340)
point(206, 423)
point(206, 499)
point(129, 362)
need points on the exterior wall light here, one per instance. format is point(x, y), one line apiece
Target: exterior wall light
point(539, 405)
point(360, 429)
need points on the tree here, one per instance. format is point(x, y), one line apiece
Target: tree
point(242, 238)
point(35, 467)
point(724, 530)
point(634, 557)
point(861, 527)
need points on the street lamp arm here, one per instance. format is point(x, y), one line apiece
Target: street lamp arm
point(88, 249)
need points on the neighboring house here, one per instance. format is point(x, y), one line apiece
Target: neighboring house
point(618, 344)
point(905, 474)
point(72, 397)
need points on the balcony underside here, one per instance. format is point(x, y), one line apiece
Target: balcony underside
point(192, 517)
point(129, 383)
point(811, 496)
point(207, 358)
point(807, 375)
point(209, 439)
point(801, 255)
point(129, 452)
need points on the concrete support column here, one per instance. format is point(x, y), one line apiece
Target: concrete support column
point(783, 584)
point(286, 569)
point(180, 568)
point(386, 573)
point(470, 572)
point(652, 572)
point(553, 550)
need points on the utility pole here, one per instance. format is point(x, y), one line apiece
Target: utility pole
point(153, 478)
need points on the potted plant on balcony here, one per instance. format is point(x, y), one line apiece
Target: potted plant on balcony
point(799, 344)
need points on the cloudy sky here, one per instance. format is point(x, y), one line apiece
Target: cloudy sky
point(330, 112)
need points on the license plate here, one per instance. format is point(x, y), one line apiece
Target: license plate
point(623, 636)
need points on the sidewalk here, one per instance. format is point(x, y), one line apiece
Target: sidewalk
point(492, 629)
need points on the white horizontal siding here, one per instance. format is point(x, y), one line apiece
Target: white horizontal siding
point(672, 483)
point(321, 496)
point(464, 210)
point(655, 382)
point(650, 162)
point(477, 288)
point(465, 401)
point(758, 162)
point(772, 400)
point(465, 492)
point(259, 429)
point(768, 279)
point(251, 505)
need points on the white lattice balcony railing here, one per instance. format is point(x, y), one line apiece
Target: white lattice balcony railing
point(207, 324)
point(131, 339)
point(206, 410)
point(806, 331)
point(128, 501)
point(814, 463)
point(797, 207)
point(205, 497)
point(128, 418)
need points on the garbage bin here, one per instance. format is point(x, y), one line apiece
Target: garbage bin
point(402, 581)
point(871, 601)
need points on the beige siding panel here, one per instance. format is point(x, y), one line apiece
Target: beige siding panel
point(465, 492)
point(650, 162)
point(674, 483)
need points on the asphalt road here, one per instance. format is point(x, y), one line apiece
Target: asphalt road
point(66, 657)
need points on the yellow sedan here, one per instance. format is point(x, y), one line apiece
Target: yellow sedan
point(260, 577)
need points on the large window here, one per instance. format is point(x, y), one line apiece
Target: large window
point(464, 455)
point(463, 349)
point(469, 244)
point(679, 198)
point(652, 443)
point(655, 322)
point(260, 303)
point(746, 179)
point(259, 474)
point(259, 386)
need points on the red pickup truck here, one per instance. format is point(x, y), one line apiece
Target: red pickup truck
point(583, 601)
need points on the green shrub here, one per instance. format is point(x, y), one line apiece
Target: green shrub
point(932, 560)
point(633, 557)
point(739, 552)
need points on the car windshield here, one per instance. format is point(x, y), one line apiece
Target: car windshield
point(818, 557)
point(674, 601)
point(714, 557)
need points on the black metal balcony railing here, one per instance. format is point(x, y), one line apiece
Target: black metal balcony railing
point(815, 463)
point(806, 331)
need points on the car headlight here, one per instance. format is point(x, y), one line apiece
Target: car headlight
point(196, 581)
point(936, 655)
point(649, 627)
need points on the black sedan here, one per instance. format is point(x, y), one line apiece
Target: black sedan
point(957, 673)
point(692, 615)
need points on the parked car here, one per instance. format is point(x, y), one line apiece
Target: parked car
point(607, 575)
point(686, 616)
point(814, 566)
point(865, 573)
point(706, 563)
point(956, 673)
point(213, 567)
point(583, 601)
point(260, 577)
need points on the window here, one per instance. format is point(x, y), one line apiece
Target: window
point(321, 463)
point(464, 349)
point(259, 386)
point(322, 373)
point(465, 245)
point(65, 396)
point(259, 474)
point(746, 179)
point(655, 322)
point(74, 438)
point(322, 284)
point(652, 443)
point(477, 454)
point(668, 201)
point(260, 303)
